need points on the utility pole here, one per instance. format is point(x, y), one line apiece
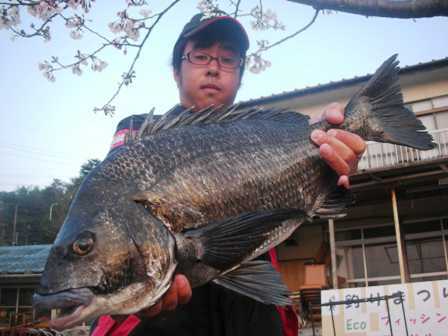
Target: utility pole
point(50, 216)
point(14, 226)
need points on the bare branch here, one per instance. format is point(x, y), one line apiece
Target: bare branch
point(130, 74)
point(404, 9)
point(254, 60)
point(21, 3)
point(237, 8)
point(286, 38)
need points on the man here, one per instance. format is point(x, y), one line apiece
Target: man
point(208, 64)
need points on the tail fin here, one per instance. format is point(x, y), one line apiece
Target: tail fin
point(377, 112)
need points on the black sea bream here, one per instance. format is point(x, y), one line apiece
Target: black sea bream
point(203, 194)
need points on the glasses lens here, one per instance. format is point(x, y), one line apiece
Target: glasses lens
point(199, 58)
point(229, 61)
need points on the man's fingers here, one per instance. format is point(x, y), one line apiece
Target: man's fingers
point(334, 161)
point(351, 140)
point(339, 148)
point(183, 289)
point(334, 113)
point(344, 182)
point(169, 299)
point(153, 311)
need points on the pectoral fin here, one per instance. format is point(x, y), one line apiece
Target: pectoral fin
point(227, 243)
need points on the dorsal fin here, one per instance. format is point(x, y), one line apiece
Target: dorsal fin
point(147, 125)
point(219, 114)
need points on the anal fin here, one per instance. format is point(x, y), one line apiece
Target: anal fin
point(335, 203)
point(258, 280)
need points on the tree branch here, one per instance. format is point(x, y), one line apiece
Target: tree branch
point(129, 75)
point(286, 38)
point(404, 9)
point(41, 31)
point(237, 8)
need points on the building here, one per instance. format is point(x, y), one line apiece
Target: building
point(396, 231)
point(20, 270)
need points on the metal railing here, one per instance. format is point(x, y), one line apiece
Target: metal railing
point(379, 155)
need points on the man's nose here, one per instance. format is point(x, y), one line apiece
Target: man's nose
point(213, 67)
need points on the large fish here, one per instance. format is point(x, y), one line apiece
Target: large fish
point(203, 194)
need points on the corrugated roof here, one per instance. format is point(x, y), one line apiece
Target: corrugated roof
point(23, 259)
point(341, 83)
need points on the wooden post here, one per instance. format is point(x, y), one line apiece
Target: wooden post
point(404, 273)
point(14, 226)
point(445, 252)
point(333, 253)
point(16, 319)
point(364, 259)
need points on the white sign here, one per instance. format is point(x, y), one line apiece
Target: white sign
point(421, 308)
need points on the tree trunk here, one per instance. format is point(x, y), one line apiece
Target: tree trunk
point(403, 9)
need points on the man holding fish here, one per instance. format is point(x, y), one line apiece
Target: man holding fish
point(208, 65)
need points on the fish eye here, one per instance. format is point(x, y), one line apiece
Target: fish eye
point(83, 244)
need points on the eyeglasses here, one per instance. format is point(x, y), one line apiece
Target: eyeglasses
point(201, 58)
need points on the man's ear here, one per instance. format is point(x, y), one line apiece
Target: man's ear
point(176, 76)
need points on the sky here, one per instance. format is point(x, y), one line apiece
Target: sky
point(48, 129)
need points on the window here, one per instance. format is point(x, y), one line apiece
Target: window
point(370, 255)
point(442, 120)
point(16, 306)
point(421, 106)
point(425, 256)
point(428, 104)
point(440, 102)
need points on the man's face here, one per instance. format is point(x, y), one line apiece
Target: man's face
point(204, 85)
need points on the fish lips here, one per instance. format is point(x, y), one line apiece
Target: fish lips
point(73, 300)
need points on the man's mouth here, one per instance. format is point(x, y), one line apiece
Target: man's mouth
point(210, 87)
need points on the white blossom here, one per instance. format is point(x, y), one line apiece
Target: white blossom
point(9, 17)
point(73, 22)
point(98, 65)
point(209, 8)
point(45, 66)
point(145, 12)
point(43, 9)
point(14, 17)
point(136, 3)
point(73, 4)
point(75, 34)
point(266, 19)
point(256, 63)
point(3, 23)
point(131, 28)
point(49, 75)
point(76, 69)
point(115, 27)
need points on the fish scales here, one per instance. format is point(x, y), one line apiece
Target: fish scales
point(216, 186)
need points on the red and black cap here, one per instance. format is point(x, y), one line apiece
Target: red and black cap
point(218, 20)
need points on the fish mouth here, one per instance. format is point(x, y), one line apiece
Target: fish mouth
point(72, 302)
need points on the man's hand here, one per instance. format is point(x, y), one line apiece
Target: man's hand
point(178, 293)
point(340, 149)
